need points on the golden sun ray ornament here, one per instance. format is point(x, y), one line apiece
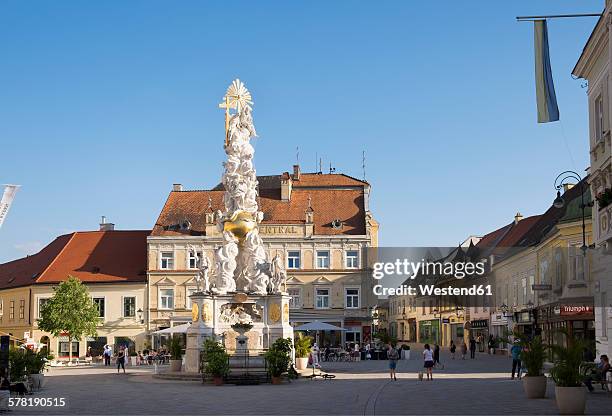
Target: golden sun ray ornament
point(236, 97)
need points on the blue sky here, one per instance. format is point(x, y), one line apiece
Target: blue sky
point(103, 105)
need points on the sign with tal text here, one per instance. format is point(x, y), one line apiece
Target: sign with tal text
point(541, 287)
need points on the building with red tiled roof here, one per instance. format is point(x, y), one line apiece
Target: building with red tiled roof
point(319, 223)
point(111, 263)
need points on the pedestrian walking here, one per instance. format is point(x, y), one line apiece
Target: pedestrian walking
point(463, 349)
point(108, 352)
point(515, 351)
point(491, 345)
point(453, 348)
point(436, 354)
point(472, 347)
point(428, 361)
point(393, 356)
point(121, 359)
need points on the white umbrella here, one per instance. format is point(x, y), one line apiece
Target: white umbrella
point(318, 326)
point(179, 329)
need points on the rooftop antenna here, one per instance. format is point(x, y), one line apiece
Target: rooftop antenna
point(316, 160)
point(321, 165)
point(363, 164)
point(297, 155)
point(331, 169)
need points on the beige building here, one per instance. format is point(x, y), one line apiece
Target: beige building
point(113, 266)
point(594, 65)
point(320, 224)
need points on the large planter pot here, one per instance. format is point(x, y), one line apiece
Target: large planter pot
point(218, 381)
point(175, 365)
point(276, 380)
point(535, 387)
point(570, 400)
point(301, 363)
point(38, 381)
point(133, 361)
point(405, 354)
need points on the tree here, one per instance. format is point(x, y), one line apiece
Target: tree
point(71, 310)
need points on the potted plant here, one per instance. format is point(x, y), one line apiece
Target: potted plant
point(216, 361)
point(566, 372)
point(36, 362)
point(133, 356)
point(18, 362)
point(604, 198)
point(278, 359)
point(176, 354)
point(302, 350)
point(534, 355)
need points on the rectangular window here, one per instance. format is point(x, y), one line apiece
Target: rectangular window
point(167, 260)
point(352, 298)
point(322, 298)
point(293, 259)
point(166, 299)
point(41, 303)
point(193, 259)
point(21, 309)
point(352, 259)
point(323, 259)
point(296, 297)
point(12, 310)
point(100, 303)
point(129, 306)
point(599, 118)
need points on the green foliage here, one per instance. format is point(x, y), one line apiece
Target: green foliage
point(406, 347)
point(216, 359)
point(36, 362)
point(302, 345)
point(18, 362)
point(566, 371)
point(278, 357)
point(533, 352)
point(175, 348)
point(70, 310)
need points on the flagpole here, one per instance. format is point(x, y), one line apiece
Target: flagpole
point(555, 16)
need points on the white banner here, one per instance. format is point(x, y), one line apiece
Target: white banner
point(7, 200)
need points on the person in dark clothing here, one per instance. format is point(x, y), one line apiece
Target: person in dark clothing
point(436, 354)
point(472, 347)
point(515, 352)
point(121, 360)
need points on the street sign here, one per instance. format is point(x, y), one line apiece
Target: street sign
point(541, 287)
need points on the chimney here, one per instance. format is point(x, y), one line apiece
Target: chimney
point(177, 187)
point(106, 226)
point(286, 185)
point(296, 172)
point(518, 217)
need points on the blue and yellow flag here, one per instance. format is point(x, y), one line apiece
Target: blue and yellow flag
point(545, 88)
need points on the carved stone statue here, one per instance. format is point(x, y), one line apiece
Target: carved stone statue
point(278, 276)
point(239, 261)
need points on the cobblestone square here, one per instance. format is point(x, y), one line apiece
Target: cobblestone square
point(479, 386)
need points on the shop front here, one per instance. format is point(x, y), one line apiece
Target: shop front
point(480, 331)
point(429, 331)
point(576, 317)
point(499, 328)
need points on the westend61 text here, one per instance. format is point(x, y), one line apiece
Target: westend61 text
point(431, 290)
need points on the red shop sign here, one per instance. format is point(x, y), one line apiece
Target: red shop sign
point(576, 310)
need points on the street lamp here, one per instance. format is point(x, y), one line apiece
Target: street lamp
point(559, 202)
point(139, 312)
